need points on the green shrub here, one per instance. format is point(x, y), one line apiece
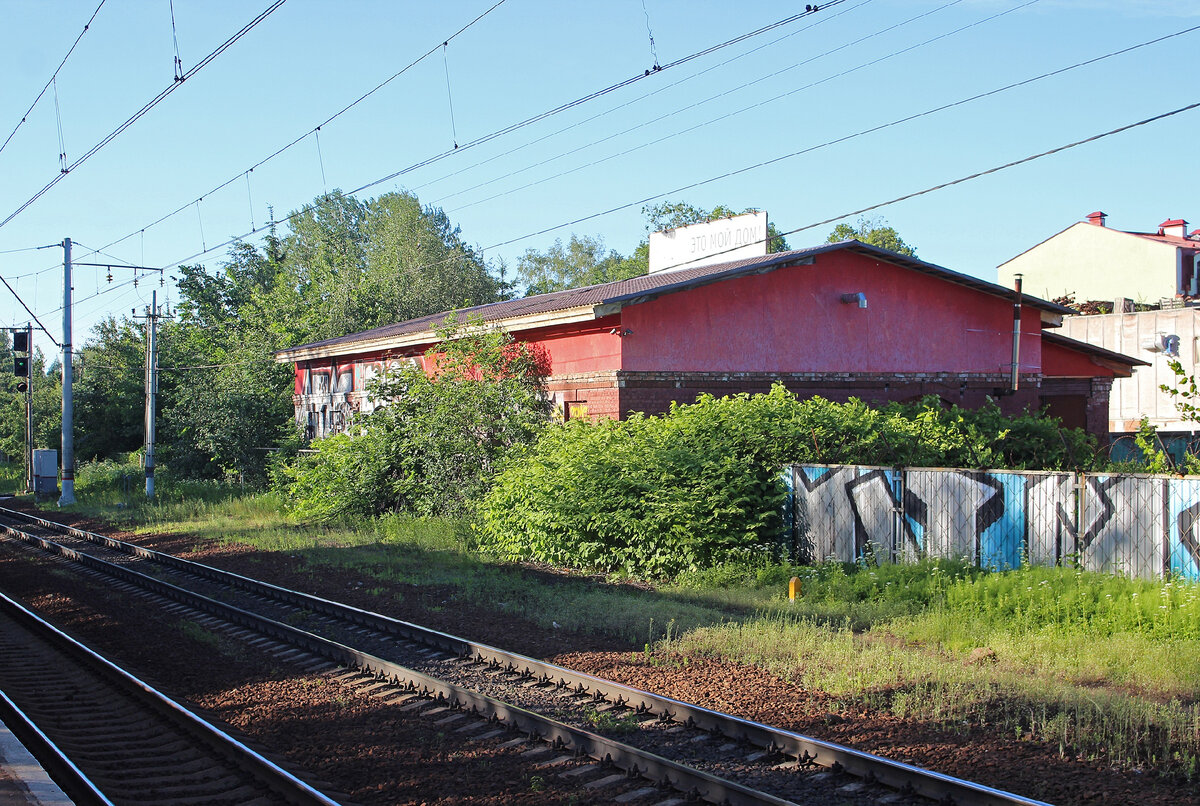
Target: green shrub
point(700, 486)
point(433, 449)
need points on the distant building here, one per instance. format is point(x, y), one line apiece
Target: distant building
point(1093, 261)
point(1157, 337)
point(838, 320)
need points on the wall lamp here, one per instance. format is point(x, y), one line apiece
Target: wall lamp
point(850, 299)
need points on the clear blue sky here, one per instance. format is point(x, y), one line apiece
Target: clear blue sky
point(740, 106)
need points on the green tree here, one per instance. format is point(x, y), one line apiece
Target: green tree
point(586, 261)
point(583, 261)
point(109, 389)
point(47, 403)
point(873, 231)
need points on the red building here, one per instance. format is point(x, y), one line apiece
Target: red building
point(838, 320)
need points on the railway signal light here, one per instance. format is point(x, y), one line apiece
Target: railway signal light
point(21, 367)
point(21, 341)
point(22, 387)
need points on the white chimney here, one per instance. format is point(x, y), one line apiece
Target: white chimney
point(1174, 226)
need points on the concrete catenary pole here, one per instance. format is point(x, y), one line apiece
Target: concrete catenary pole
point(29, 412)
point(151, 388)
point(68, 404)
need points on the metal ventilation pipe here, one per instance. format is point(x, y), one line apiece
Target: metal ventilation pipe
point(1016, 349)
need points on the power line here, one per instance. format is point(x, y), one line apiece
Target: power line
point(487, 138)
point(508, 129)
point(153, 102)
point(841, 216)
point(53, 76)
point(31, 313)
point(791, 155)
point(852, 213)
point(835, 141)
point(26, 249)
point(736, 112)
point(605, 113)
point(313, 131)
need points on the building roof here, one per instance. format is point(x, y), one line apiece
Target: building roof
point(1171, 240)
point(594, 301)
point(1106, 357)
point(1158, 237)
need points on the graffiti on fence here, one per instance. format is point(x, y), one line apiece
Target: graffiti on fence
point(1123, 525)
point(1051, 534)
point(1142, 526)
point(844, 512)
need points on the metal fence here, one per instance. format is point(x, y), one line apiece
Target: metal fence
point(1137, 525)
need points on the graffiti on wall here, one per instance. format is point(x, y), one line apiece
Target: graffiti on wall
point(1141, 526)
point(844, 512)
point(996, 518)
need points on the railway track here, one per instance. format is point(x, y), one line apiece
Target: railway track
point(108, 738)
point(481, 690)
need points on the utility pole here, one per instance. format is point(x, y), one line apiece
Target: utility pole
point(152, 317)
point(68, 404)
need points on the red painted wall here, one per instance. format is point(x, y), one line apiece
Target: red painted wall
point(578, 348)
point(1062, 362)
point(793, 320)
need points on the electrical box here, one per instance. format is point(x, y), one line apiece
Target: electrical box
point(45, 473)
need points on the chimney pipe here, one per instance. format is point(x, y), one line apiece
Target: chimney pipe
point(1097, 218)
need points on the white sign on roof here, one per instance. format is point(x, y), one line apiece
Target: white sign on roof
point(735, 238)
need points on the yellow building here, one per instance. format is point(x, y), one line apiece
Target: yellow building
point(1095, 262)
point(1160, 269)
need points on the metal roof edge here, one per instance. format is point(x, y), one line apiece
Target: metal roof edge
point(1091, 349)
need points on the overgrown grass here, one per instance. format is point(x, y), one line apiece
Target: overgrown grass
point(1096, 665)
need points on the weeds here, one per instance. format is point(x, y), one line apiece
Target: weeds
point(1098, 666)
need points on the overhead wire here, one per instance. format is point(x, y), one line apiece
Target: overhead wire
point(844, 138)
point(867, 209)
point(773, 160)
point(495, 134)
point(487, 138)
point(733, 113)
point(479, 141)
point(825, 18)
point(952, 182)
point(53, 76)
point(830, 220)
point(310, 132)
point(153, 102)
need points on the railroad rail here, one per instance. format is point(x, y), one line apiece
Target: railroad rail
point(107, 737)
point(691, 748)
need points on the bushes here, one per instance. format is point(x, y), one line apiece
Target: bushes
point(433, 449)
point(700, 486)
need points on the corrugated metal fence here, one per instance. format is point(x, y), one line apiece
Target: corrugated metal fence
point(1141, 526)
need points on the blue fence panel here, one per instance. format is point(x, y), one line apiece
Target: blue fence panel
point(1002, 541)
point(1183, 528)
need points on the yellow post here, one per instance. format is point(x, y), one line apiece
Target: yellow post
point(794, 588)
